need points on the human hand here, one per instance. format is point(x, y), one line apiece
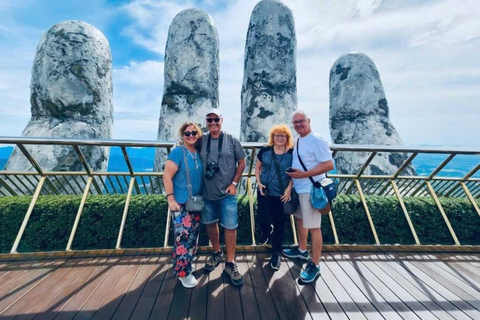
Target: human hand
point(287, 195)
point(297, 174)
point(260, 188)
point(231, 189)
point(173, 205)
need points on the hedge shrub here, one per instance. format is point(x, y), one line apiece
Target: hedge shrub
point(53, 216)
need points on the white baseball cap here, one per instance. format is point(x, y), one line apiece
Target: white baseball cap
point(214, 111)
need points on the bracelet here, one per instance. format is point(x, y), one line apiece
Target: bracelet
point(234, 183)
point(170, 194)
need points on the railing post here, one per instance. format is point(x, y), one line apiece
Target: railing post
point(79, 213)
point(365, 206)
point(405, 212)
point(85, 164)
point(252, 212)
point(434, 173)
point(334, 229)
point(27, 215)
point(125, 211)
point(445, 218)
point(294, 230)
point(6, 186)
point(167, 228)
point(465, 178)
point(130, 168)
point(362, 169)
point(470, 197)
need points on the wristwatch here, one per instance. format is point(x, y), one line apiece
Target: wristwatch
point(234, 183)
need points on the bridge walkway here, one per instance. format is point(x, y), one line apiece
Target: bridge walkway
point(138, 284)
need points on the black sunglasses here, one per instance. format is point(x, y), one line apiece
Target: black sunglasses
point(188, 133)
point(209, 120)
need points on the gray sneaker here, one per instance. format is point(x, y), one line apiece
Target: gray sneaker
point(214, 260)
point(231, 269)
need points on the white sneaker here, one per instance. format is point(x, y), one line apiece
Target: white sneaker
point(188, 281)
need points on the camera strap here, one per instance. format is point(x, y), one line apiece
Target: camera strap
point(220, 145)
point(316, 184)
point(277, 169)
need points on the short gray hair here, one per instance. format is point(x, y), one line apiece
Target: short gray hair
point(299, 111)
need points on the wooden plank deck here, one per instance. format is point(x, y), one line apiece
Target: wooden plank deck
point(354, 285)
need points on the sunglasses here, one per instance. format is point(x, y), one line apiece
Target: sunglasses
point(209, 120)
point(299, 121)
point(188, 133)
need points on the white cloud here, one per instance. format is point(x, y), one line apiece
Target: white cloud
point(137, 99)
point(152, 20)
point(426, 53)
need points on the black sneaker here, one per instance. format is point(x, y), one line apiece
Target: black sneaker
point(214, 260)
point(275, 261)
point(263, 238)
point(231, 269)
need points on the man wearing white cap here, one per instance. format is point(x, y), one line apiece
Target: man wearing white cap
point(223, 160)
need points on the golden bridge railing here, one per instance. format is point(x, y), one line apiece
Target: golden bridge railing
point(38, 181)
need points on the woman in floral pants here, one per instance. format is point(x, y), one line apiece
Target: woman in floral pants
point(185, 223)
point(186, 239)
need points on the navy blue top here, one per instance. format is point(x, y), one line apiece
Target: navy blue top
point(180, 190)
point(268, 175)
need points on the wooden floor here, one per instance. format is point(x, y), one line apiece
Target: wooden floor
point(387, 285)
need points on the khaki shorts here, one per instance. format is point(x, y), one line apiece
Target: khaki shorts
point(311, 217)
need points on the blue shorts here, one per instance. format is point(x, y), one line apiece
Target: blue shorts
point(224, 210)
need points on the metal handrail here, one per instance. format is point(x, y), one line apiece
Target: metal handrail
point(465, 186)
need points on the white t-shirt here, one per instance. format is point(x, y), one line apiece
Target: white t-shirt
point(313, 150)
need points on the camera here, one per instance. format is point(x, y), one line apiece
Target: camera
point(211, 169)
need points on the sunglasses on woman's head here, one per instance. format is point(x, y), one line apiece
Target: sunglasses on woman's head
point(209, 120)
point(188, 133)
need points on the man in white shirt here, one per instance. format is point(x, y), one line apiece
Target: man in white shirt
point(317, 158)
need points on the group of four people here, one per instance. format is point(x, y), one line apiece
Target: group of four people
point(212, 165)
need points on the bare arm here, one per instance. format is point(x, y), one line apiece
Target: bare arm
point(232, 189)
point(170, 170)
point(322, 167)
point(258, 169)
point(287, 194)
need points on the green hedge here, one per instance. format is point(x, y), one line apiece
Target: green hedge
point(52, 219)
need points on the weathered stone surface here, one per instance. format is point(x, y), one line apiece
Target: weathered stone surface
point(191, 74)
point(269, 91)
point(71, 97)
point(359, 114)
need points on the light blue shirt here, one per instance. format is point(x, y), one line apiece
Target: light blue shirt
point(180, 190)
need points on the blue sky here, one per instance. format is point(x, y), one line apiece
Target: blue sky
point(426, 53)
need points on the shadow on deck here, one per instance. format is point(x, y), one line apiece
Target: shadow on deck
point(354, 285)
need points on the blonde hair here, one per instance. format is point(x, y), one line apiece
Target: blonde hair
point(281, 129)
point(184, 127)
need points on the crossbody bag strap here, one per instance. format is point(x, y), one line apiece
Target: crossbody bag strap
point(316, 184)
point(189, 182)
point(220, 145)
point(277, 169)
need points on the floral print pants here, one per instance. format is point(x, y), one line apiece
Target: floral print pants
point(185, 225)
